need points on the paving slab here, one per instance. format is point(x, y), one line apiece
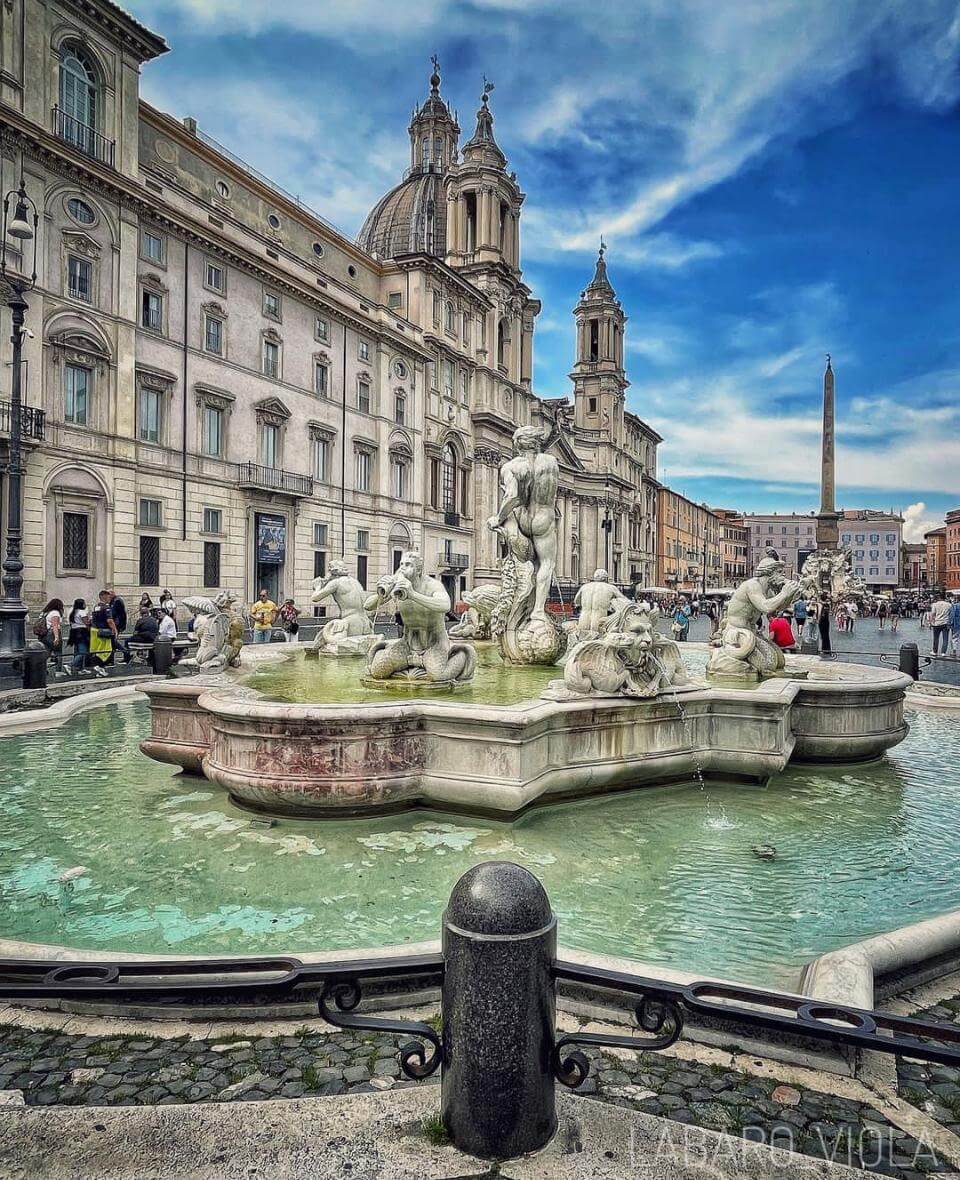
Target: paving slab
point(368, 1137)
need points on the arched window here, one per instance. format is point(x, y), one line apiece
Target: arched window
point(78, 88)
point(448, 479)
point(438, 151)
point(425, 151)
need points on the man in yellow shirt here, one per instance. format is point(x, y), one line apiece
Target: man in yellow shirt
point(264, 612)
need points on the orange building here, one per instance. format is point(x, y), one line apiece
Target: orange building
point(951, 579)
point(936, 541)
point(688, 544)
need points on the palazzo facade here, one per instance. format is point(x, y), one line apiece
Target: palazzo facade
point(223, 390)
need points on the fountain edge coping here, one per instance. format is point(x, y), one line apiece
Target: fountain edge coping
point(850, 974)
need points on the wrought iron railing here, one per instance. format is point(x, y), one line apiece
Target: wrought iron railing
point(31, 421)
point(475, 1030)
point(453, 561)
point(83, 137)
point(274, 479)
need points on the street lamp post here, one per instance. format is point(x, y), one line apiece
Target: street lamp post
point(607, 525)
point(13, 611)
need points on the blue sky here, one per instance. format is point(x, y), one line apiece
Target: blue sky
point(774, 181)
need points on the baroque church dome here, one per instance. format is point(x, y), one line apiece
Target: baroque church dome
point(412, 218)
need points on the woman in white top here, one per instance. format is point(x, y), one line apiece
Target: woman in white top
point(168, 628)
point(52, 633)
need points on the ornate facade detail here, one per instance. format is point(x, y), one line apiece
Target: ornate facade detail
point(272, 411)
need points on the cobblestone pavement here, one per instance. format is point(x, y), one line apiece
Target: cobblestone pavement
point(50, 1067)
point(934, 1089)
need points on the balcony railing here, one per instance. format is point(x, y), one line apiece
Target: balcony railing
point(31, 421)
point(274, 479)
point(84, 138)
point(453, 561)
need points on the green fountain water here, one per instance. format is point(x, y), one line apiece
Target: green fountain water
point(666, 875)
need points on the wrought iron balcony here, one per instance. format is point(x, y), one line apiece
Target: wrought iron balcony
point(31, 421)
point(83, 137)
point(453, 561)
point(274, 479)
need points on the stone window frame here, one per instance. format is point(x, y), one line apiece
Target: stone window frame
point(271, 336)
point(160, 526)
point(401, 454)
point(208, 397)
point(213, 311)
point(365, 446)
point(321, 360)
point(221, 266)
point(162, 384)
point(203, 530)
point(395, 300)
point(270, 411)
point(81, 502)
point(363, 349)
point(153, 285)
point(154, 232)
point(319, 432)
point(79, 245)
point(323, 334)
point(364, 378)
point(79, 195)
point(78, 349)
point(277, 316)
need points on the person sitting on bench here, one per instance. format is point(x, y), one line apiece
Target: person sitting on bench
point(145, 631)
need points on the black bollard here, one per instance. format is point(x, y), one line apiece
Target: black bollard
point(162, 656)
point(35, 665)
point(499, 1012)
point(910, 660)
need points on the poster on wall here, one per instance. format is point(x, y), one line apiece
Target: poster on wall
point(271, 539)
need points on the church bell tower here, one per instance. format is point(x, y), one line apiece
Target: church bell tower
point(599, 380)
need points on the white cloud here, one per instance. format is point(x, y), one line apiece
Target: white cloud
point(916, 522)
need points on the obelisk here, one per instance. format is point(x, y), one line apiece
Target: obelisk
point(828, 532)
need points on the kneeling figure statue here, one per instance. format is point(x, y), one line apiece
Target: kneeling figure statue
point(352, 633)
point(475, 620)
point(216, 628)
point(424, 651)
point(740, 651)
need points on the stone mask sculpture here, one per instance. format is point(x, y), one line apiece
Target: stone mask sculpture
point(352, 632)
point(627, 658)
point(424, 651)
point(527, 522)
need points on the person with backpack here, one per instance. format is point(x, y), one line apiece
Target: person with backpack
point(49, 630)
point(103, 633)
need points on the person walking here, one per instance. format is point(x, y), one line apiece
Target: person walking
point(681, 622)
point(79, 636)
point(853, 612)
point(940, 622)
point(118, 612)
point(49, 631)
point(103, 633)
point(264, 612)
point(800, 616)
point(289, 620)
point(953, 622)
point(895, 612)
point(881, 614)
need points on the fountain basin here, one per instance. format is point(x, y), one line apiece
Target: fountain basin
point(358, 758)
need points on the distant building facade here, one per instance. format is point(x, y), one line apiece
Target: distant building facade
point(875, 540)
point(914, 565)
point(936, 543)
point(794, 536)
point(224, 391)
point(951, 572)
point(734, 545)
point(689, 544)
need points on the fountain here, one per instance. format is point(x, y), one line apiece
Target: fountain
point(613, 721)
